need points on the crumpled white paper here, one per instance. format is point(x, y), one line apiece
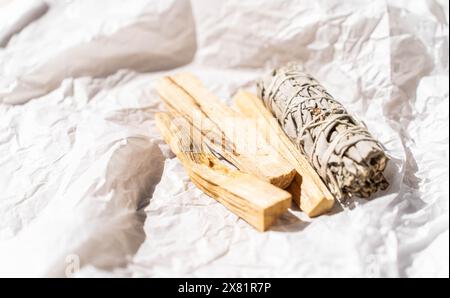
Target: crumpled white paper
point(88, 187)
point(16, 15)
point(95, 38)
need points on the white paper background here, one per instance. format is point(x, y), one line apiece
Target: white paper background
point(88, 188)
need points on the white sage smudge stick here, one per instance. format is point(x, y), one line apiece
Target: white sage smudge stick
point(340, 148)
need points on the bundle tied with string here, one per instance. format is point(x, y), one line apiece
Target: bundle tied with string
point(340, 148)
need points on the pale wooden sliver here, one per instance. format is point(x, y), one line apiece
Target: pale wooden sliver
point(185, 94)
point(257, 202)
point(307, 189)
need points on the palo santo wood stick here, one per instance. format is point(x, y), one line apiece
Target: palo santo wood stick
point(218, 126)
point(257, 202)
point(307, 189)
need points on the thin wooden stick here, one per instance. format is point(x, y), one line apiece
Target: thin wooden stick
point(307, 189)
point(257, 202)
point(219, 128)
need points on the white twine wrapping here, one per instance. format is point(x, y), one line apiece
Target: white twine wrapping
point(339, 147)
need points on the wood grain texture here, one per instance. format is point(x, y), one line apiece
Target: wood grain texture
point(307, 188)
point(256, 201)
point(219, 128)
